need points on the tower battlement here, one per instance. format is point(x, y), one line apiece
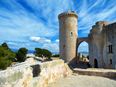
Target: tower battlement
point(69, 13)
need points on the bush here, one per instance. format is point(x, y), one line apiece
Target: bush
point(21, 54)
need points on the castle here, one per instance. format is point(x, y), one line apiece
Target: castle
point(101, 41)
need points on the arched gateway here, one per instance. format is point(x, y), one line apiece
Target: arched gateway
point(79, 41)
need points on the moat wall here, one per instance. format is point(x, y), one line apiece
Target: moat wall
point(34, 74)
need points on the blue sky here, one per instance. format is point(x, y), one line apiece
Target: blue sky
point(34, 23)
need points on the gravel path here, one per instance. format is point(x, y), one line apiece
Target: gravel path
point(84, 81)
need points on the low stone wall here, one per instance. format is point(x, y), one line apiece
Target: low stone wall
point(97, 72)
point(51, 71)
point(34, 74)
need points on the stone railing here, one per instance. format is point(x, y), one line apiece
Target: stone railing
point(34, 74)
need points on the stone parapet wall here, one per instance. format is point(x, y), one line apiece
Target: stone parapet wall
point(96, 72)
point(51, 71)
point(35, 74)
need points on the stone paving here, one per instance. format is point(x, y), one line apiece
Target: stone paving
point(84, 81)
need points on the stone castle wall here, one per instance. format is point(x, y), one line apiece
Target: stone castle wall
point(96, 44)
point(101, 36)
point(110, 39)
point(34, 74)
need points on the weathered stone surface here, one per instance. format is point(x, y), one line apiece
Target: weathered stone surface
point(32, 73)
point(51, 71)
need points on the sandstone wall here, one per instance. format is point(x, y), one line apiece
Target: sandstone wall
point(34, 74)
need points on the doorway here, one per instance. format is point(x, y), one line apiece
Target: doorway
point(95, 63)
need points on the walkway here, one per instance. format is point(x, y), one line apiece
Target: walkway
point(84, 81)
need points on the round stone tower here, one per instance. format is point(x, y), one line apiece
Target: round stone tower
point(67, 35)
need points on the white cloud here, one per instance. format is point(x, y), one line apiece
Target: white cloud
point(57, 40)
point(40, 40)
point(47, 43)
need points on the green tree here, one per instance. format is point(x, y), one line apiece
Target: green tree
point(6, 53)
point(4, 45)
point(46, 53)
point(4, 62)
point(21, 54)
point(38, 52)
point(6, 56)
point(43, 52)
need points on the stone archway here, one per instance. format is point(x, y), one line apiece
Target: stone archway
point(79, 41)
